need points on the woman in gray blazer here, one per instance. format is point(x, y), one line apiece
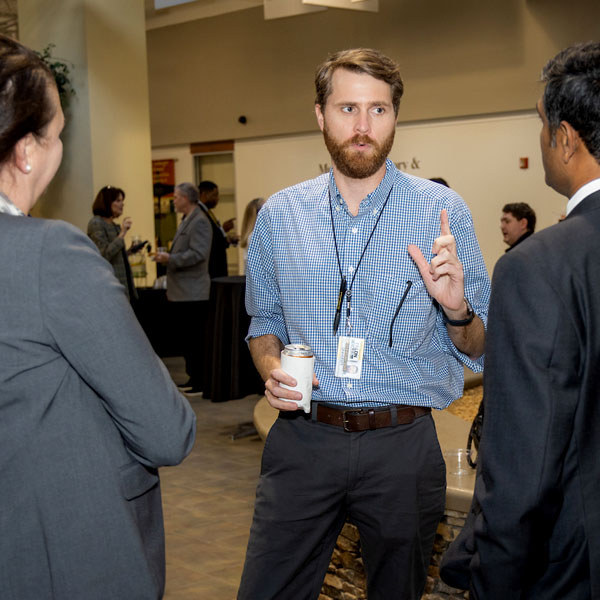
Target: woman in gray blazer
point(109, 236)
point(87, 411)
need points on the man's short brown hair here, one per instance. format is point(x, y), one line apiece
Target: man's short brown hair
point(521, 210)
point(359, 60)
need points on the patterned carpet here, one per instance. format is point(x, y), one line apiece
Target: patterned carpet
point(467, 406)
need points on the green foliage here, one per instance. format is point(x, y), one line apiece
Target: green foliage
point(61, 70)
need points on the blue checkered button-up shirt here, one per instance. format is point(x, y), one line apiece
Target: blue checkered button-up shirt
point(293, 282)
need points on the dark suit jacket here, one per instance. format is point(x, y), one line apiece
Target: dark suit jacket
point(187, 270)
point(87, 414)
point(217, 266)
point(538, 533)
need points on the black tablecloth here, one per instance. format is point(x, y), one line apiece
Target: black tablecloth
point(229, 371)
point(152, 311)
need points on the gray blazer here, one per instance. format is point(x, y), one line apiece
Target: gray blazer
point(105, 236)
point(187, 270)
point(87, 414)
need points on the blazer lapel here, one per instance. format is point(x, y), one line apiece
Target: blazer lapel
point(185, 223)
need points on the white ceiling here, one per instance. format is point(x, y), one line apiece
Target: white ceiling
point(191, 10)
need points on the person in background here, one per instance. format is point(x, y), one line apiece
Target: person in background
point(188, 282)
point(87, 410)
point(109, 236)
point(248, 222)
point(517, 223)
point(222, 235)
point(337, 263)
point(439, 180)
point(537, 494)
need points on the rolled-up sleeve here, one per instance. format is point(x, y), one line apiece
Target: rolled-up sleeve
point(263, 299)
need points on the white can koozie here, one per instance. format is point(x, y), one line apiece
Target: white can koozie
point(298, 361)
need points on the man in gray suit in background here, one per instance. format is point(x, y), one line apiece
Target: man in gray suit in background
point(188, 281)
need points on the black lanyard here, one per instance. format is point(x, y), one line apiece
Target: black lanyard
point(345, 289)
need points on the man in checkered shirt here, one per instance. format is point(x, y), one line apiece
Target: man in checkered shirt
point(380, 273)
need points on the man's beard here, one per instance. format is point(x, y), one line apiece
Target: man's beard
point(358, 165)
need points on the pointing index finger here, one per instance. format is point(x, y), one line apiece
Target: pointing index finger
point(444, 224)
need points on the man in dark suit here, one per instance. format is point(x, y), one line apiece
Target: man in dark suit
point(538, 490)
point(188, 281)
point(222, 235)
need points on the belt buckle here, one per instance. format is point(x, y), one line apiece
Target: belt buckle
point(350, 411)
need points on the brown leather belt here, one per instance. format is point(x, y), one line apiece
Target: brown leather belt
point(362, 419)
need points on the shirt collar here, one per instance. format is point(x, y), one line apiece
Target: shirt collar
point(6, 206)
point(376, 198)
point(583, 192)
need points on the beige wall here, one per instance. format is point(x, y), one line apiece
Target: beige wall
point(184, 161)
point(479, 157)
point(457, 58)
point(107, 137)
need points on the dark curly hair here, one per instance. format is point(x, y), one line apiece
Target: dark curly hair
point(521, 210)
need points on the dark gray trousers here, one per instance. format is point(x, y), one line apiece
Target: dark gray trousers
point(189, 321)
point(389, 482)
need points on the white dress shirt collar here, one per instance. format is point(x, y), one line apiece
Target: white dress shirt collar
point(583, 192)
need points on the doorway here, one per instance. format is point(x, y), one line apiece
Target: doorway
point(218, 168)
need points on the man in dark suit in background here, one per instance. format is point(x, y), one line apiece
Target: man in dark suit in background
point(222, 235)
point(188, 281)
point(537, 535)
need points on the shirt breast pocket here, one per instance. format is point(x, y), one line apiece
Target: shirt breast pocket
point(402, 316)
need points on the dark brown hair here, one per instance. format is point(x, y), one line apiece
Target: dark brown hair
point(521, 210)
point(25, 105)
point(572, 92)
point(104, 199)
point(359, 60)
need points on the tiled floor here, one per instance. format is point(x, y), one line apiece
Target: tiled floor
point(208, 501)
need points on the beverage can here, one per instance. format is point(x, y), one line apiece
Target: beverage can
point(298, 361)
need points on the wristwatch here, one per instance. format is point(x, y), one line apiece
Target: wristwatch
point(461, 322)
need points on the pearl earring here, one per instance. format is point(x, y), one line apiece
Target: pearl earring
point(28, 168)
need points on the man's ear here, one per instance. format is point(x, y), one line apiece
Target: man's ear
point(22, 153)
point(568, 140)
point(320, 118)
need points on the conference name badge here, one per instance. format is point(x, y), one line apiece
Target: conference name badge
point(349, 359)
